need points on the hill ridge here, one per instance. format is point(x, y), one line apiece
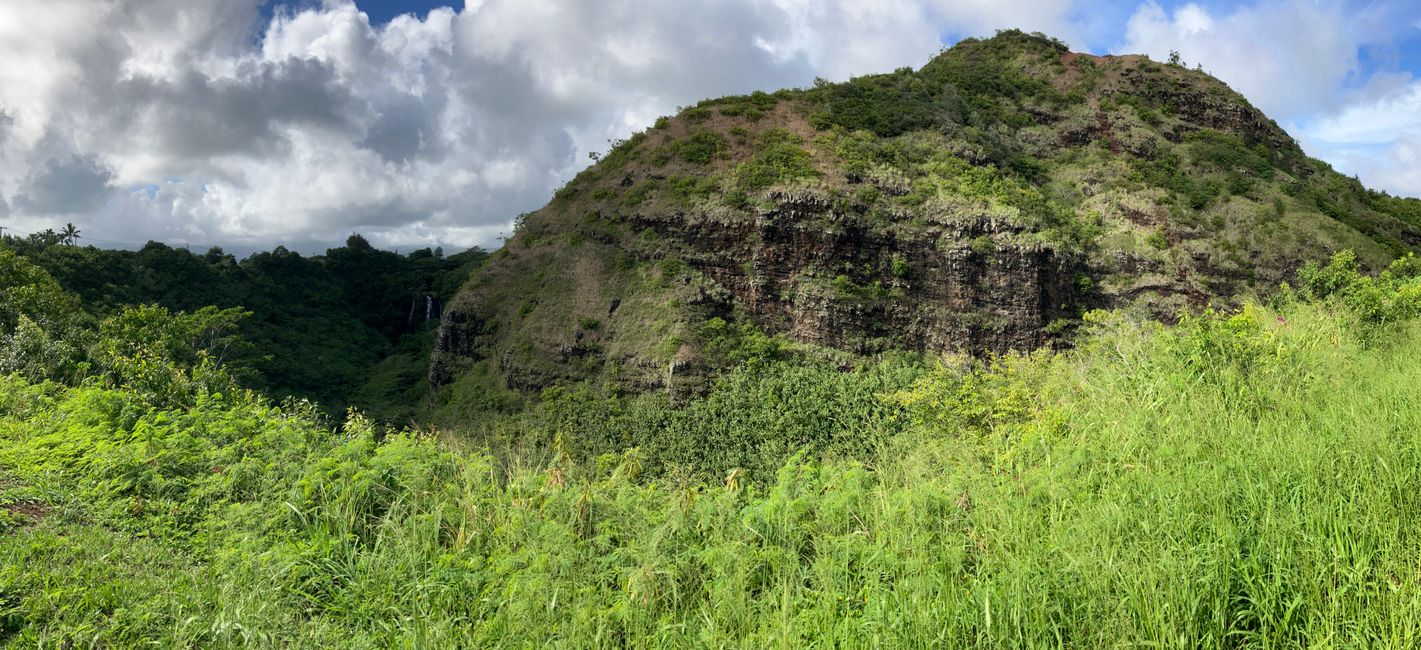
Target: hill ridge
point(979, 204)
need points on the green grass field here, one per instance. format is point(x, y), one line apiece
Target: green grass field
point(1236, 480)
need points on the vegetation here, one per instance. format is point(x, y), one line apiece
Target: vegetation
point(1236, 480)
point(316, 328)
point(701, 148)
point(779, 157)
point(837, 211)
point(638, 434)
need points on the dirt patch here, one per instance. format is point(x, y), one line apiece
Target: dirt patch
point(30, 511)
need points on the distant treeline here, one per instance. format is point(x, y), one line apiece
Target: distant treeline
point(319, 325)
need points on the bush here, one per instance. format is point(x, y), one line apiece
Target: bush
point(1378, 303)
point(752, 107)
point(37, 355)
point(1227, 152)
point(701, 147)
point(778, 158)
point(886, 105)
point(172, 358)
point(28, 292)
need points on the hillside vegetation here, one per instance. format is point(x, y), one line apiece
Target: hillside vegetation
point(979, 204)
point(1025, 348)
point(1240, 479)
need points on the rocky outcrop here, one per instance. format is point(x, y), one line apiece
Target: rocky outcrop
point(1211, 107)
point(804, 269)
point(833, 279)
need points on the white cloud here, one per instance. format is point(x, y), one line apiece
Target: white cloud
point(1372, 121)
point(1191, 19)
point(1376, 135)
point(1289, 57)
point(190, 120)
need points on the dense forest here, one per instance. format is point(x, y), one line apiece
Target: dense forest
point(352, 327)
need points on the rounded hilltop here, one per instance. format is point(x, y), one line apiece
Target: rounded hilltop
point(980, 203)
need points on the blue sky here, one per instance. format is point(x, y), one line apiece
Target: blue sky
point(1101, 22)
point(380, 11)
point(249, 123)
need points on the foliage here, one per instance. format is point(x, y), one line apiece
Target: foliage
point(1227, 152)
point(887, 104)
point(170, 359)
point(778, 157)
point(752, 107)
point(37, 354)
point(318, 326)
point(701, 147)
point(1238, 479)
point(30, 293)
point(40, 323)
point(742, 342)
point(1379, 303)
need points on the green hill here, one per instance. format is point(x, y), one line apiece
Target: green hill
point(979, 204)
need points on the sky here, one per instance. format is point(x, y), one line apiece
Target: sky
point(251, 123)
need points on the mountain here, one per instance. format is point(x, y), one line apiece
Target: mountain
point(979, 204)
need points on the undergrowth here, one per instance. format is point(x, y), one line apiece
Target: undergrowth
point(1242, 479)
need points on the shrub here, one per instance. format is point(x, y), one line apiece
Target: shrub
point(28, 292)
point(1156, 240)
point(1378, 303)
point(172, 358)
point(886, 105)
point(752, 107)
point(1226, 152)
point(778, 158)
point(701, 147)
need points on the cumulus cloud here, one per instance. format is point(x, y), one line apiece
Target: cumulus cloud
point(195, 120)
point(1289, 57)
point(1376, 135)
point(200, 121)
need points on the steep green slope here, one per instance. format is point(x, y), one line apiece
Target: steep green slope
point(979, 204)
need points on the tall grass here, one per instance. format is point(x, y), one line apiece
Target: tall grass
point(1237, 480)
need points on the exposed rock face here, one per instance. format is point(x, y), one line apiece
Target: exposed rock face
point(805, 270)
point(456, 342)
point(826, 278)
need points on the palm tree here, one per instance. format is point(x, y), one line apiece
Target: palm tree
point(46, 238)
point(69, 233)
